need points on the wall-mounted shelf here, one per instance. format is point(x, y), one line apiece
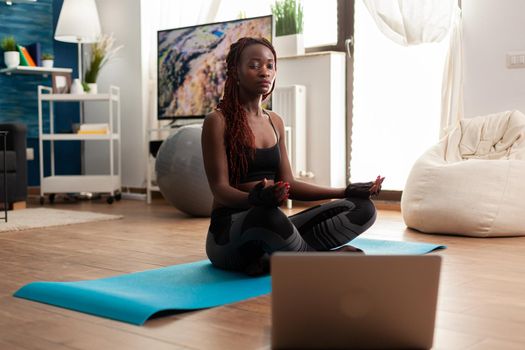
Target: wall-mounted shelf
point(34, 70)
point(11, 2)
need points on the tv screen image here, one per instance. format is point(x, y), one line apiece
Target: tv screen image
point(192, 64)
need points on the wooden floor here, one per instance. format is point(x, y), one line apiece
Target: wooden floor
point(481, 301)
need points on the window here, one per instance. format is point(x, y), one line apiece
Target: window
point(396, 102)
point(232, 9)
point(320, 23)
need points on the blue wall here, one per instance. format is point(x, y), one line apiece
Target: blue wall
point(30, 23)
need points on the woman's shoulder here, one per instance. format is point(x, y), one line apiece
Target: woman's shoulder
point(215, 114)
point(276, 119)
point(215, 118)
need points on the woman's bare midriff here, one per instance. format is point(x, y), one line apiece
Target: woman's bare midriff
point(245, 187)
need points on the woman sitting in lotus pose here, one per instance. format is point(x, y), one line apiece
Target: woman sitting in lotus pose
point(250, 176)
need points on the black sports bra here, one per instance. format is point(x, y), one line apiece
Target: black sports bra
point(265, 163)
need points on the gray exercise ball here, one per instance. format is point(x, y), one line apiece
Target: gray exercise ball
point(180, 172)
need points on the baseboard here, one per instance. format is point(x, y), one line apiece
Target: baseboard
point(133, 190)
point(389, 196)
point(380, 204)
point(388, 200)
point(35, 190)
point(15, 206)
point(387, 205)
point(134, 196)
point(19, 205)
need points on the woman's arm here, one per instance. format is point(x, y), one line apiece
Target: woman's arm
point(300, 190)
point(216, 163)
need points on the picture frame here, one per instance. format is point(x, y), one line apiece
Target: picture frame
point(61, 82)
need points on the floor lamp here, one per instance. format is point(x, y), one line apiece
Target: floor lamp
point(78, 23)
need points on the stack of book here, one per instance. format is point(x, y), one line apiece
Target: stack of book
point(30, 56)
point(92, 128)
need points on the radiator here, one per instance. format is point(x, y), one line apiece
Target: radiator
point(290, 103)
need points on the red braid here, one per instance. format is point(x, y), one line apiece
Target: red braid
point(238, 136)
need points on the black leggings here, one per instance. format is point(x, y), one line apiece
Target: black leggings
point(238, 238)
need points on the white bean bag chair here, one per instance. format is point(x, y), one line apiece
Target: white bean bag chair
point(472, 182)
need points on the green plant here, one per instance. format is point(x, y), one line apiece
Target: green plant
point(9, 43)
point(47, 56)
point(288, 17)
point(101, 52)
point(86, 87)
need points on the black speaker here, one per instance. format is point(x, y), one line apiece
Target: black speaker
point(154, 147)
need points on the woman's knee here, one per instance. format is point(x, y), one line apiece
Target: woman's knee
point(364, 212)
point(269, 218)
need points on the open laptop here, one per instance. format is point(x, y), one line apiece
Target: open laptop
point(346, 301)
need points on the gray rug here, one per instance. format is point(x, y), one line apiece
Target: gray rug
point(26, 219)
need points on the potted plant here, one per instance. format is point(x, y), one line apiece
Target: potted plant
point(102, 51)
point(11, 54)
point(288, 15)
point(47, 60)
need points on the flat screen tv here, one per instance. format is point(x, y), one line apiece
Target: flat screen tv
point(192, 64)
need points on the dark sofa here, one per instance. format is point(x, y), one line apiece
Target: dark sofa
point(16, 163)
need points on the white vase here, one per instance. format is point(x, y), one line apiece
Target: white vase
point(289, 45)
point(76, 87)
point(47, 63)
point(11, 59)
point(93, 89)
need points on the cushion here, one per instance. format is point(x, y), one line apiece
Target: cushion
point(10, 161)
point(472, 182)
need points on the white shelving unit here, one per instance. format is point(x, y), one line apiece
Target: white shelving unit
point(110, 183)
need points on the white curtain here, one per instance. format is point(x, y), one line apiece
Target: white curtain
point(412, 22)
point(452, 88)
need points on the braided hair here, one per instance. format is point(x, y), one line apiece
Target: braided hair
point(238, 136)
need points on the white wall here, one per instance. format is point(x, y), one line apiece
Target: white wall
point(323, 75)
point(123, 19)
point(491, 28)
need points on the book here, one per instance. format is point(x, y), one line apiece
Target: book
point(35, 51)
point(23, 60)
point(94, 128)
point(28, 57)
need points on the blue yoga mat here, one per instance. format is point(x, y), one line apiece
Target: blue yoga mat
point(136, 297)
point(382, 247)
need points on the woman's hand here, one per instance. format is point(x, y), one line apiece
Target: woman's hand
point(271, 196)
point(376, 187)
point(364, 189)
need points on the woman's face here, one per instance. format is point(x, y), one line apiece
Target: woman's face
point(256, 70)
